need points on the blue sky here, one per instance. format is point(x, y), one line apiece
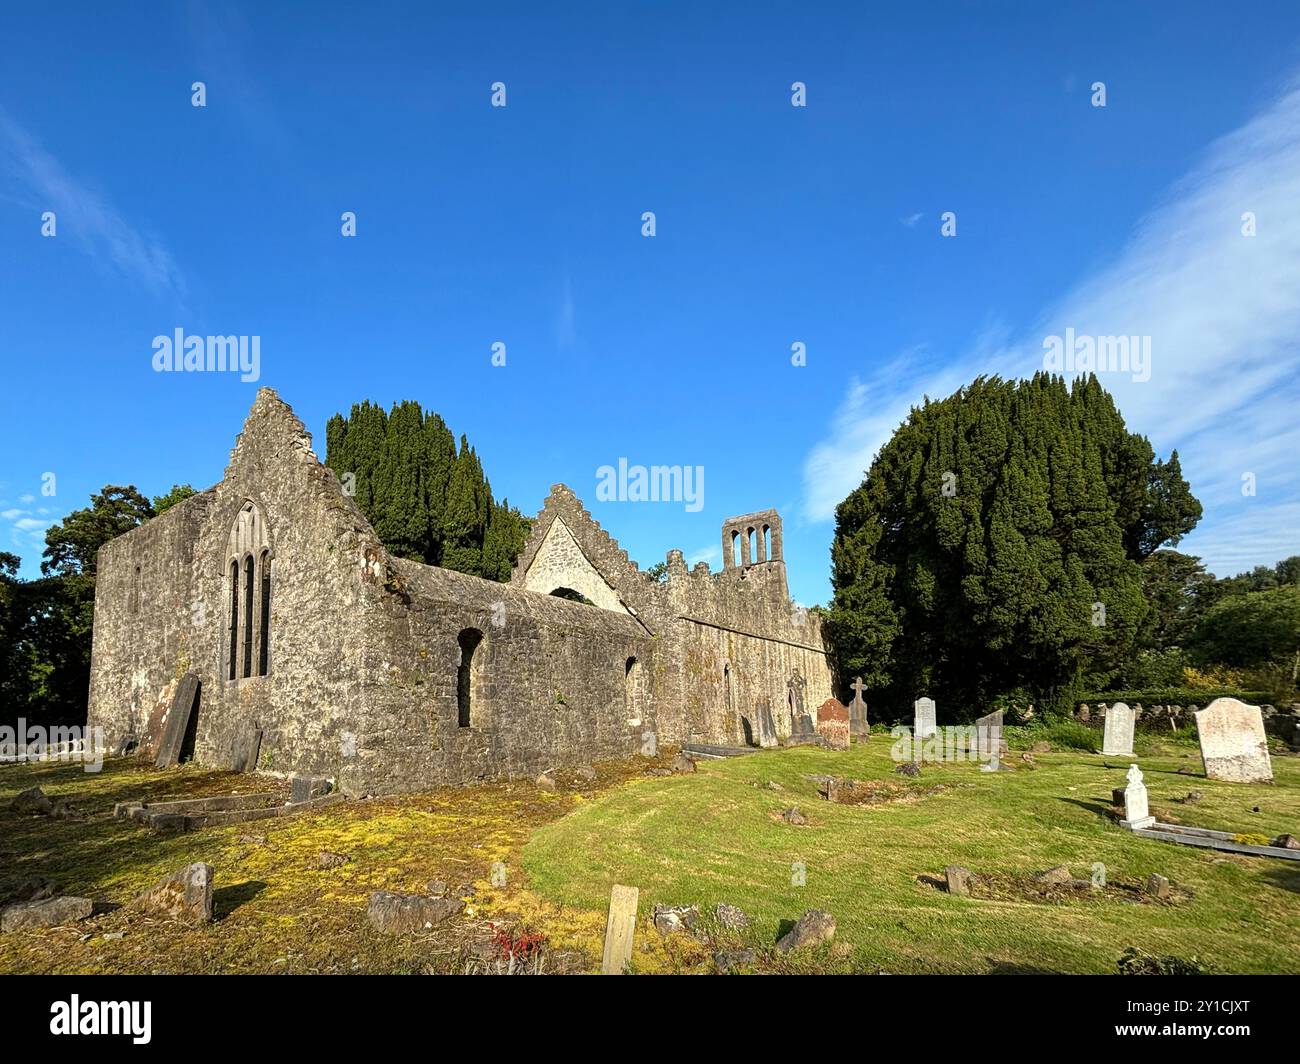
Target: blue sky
point(522, 224)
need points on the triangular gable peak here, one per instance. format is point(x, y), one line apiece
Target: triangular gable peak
point(273, 452)
point(567, 549)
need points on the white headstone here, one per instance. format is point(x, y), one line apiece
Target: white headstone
point(925, 722)
point(1233, 744)
point(1118, 736)
point(1136, 813)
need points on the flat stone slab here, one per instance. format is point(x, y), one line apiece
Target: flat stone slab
point(1212, 840)
point(230, 809)
point(48, 912)
point(177, 721)
point(404, 914)
point(711, 751)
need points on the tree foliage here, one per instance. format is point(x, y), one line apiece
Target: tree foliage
point(427, 499)
point(46, 624)
point(997, 544)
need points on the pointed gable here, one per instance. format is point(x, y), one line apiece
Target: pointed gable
point(568, 549)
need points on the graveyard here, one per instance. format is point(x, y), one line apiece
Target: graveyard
point(528, 863)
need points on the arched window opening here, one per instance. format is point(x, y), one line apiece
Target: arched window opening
point(633, 694)
point(248, 615)
point(750, 550)
point(767, 543)
point(234, 619)
point(735, 549)
point(248, 554)
point(264, 616)
point(468, 674)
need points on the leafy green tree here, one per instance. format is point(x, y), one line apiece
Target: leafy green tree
point(46, 624)
point(997, 544)
point(179, 493)
point(1175, 586)
point(1257, 628)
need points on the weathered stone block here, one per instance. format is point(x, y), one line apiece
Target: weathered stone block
point(46, 912)
point(185, 895)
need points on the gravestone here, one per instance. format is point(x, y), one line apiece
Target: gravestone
point(833, 724)
point(619, 929)
point(177, 721)
point(246, 748)
point(803, 726)
point(152, 735)
point(1117, 738)
point(1233, 744)
point(925, 722)
point(766, 725)
point(1136, 813)
point(858, 725)
point(990, 746)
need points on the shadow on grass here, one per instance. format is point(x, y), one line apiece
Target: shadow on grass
point(225, 900)
point(1285, 877)
point(1102, 810)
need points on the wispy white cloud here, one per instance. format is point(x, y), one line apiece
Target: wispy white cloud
point(1223, 313)
point(34, 178)
point(911, 220)
point(709, 554)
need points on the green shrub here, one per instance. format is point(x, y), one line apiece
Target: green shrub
point(1175, 696)
point(1062, 732)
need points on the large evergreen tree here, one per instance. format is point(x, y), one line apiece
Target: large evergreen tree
point(996, 545)
point(427, 499)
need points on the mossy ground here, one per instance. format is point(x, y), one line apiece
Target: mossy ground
point(699, 839)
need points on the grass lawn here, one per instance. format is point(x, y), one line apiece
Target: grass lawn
point(717, 836)
point(704, 838)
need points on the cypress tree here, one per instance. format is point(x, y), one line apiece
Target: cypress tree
point(995, 545)
point(426, 499)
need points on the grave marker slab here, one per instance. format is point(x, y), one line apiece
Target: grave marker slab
point(990, 745)
point(177, 721)
point(619, 929)
point(925, 725)
point(245, 749)
point(1137, 814)
point(833, 724)
point(1117, 738)
point(767, 736)
point(858, 724)
point(1233, 744)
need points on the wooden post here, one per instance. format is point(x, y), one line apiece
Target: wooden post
point(619, 929)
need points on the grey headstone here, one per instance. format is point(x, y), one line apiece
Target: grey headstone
point(766, 725)
point(246, 749)
point(988, 734)
point(858, 724)
point(1118, 735)
point(177, 722)
point(305, 788)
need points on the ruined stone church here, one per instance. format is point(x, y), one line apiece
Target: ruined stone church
point(305, 641)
